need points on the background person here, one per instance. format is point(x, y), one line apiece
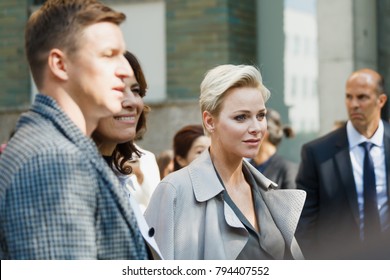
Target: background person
point(188, 143)
point(268, 161)
point(220, 206)
point(334, 222)
point(165, 162)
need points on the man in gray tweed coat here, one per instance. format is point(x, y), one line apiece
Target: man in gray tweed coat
point(58, 197)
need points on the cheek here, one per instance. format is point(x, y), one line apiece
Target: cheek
point(263, 127)
point(191, 155)
point(232, 127)
point(139, 106)
point(106, 129)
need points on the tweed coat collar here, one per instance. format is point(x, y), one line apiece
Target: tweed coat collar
point(47, 106)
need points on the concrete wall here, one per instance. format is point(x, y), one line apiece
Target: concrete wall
point(202, 34)
point(14, 74)
point(164, 120)
point(346, 42)
point(383, 39)
point(270, 51)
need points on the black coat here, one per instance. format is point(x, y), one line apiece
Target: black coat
point(329, 223)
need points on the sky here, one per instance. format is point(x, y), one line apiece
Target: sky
point(308, 6)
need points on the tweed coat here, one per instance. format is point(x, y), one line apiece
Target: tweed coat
point(192, 220)
point(58, 197)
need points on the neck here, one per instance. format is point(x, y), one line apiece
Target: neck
point(105, 148)
point(74, 112)
point(85, 121)
point(369, 130)
point(229, 168)
point(266, 151)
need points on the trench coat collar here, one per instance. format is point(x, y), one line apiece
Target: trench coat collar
point(205, 180)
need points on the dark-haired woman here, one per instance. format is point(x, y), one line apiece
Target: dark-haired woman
point(115, 136)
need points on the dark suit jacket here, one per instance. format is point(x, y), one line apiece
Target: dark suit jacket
point(281, 171)
point(329, 224)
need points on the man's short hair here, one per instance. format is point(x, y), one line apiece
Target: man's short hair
point(58, 24)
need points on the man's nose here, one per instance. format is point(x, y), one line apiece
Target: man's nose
point(124, 69)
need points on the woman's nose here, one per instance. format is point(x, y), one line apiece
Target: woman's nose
point(128, 99)
point(255, 127)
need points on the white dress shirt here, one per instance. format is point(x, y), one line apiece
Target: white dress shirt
point(378, 155)
point(148, 165)
point(146, 231)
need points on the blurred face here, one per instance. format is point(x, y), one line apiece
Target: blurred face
point(168, 169)
point(198, 146)
point(241, 124)
point(121, 127)
point(363, 103)
point(97, 71)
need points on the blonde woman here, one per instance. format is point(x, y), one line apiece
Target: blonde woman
point(219, 206)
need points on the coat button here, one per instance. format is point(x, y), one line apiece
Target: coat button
point(151, 232)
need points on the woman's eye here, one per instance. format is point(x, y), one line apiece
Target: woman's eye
point(260, 116)
point(135, 90)
point(240, 118)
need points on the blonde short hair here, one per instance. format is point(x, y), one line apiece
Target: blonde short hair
point(224, 77)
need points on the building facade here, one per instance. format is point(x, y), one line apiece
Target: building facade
point(178, 41)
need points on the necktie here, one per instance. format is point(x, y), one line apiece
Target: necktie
point(371, 215)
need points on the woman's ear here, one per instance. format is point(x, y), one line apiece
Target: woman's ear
point(208, 121)
point(57, 65)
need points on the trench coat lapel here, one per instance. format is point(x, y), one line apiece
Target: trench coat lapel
point(285, 215)
point(206, 186)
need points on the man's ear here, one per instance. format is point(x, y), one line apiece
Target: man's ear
point(57, 65)
point(209, 121)
point(382, 99)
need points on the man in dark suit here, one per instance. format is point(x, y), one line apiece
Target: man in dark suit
point(334, 223)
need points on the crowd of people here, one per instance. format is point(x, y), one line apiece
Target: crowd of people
point(75, 185)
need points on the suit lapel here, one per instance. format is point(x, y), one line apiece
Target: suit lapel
point(344, 167)
point(386, 142)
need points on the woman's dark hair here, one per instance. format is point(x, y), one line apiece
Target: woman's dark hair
point(124, 152)
point(163, 160)
point(183, 140)
point(276, 130)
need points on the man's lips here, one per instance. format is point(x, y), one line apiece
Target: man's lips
point(356, 115)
